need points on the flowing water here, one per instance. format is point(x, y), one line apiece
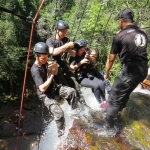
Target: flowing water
point(84, 130)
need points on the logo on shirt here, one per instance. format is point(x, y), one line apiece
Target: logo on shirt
point(140, 40)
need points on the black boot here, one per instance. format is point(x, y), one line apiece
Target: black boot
point(108, 131)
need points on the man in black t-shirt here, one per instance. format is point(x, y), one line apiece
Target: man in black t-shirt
point(43, 73)
point(130, 43)
point(59, 45)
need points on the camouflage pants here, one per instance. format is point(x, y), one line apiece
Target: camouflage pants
point(70, 95)
point(54, 108)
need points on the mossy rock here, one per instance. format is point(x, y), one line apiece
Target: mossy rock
point(136, 120)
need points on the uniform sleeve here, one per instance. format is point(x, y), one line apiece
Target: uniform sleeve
point(50, 42)
point(37, 77)
point(116, 46)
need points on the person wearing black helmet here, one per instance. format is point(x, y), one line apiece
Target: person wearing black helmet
point(86, 74)
point(130, 43)
point(59, 45)
point(43, 73)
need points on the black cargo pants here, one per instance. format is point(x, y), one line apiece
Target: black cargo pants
point(130, 75)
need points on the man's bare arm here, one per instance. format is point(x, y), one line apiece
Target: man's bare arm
point(71, 52)
point(57, 51)
point(109, 63)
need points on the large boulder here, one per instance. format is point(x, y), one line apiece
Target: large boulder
point(135, 123)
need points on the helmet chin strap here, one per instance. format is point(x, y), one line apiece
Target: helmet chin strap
point(58, 34)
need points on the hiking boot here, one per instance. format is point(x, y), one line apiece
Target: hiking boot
point(82, 101)
point(118, 127)
point(107, 131)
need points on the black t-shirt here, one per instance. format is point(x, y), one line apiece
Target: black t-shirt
point(39, 75)
point(53, 42)
point(83, 68)
point(75, 60)
point(130, 44)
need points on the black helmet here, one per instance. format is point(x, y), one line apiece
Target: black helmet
point(61, 24)
point(80, 43)
point(41, 48)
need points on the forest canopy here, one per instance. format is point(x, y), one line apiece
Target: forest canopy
point(93, 20)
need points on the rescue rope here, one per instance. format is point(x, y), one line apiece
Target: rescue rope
point(25, 74)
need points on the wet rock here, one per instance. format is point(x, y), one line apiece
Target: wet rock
point(136, 120)
point(82, 132)
point(135, 134)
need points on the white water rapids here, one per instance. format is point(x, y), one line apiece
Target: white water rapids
point(49, 141)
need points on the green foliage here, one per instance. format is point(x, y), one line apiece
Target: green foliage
point(93, 20)
point(14, 39)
